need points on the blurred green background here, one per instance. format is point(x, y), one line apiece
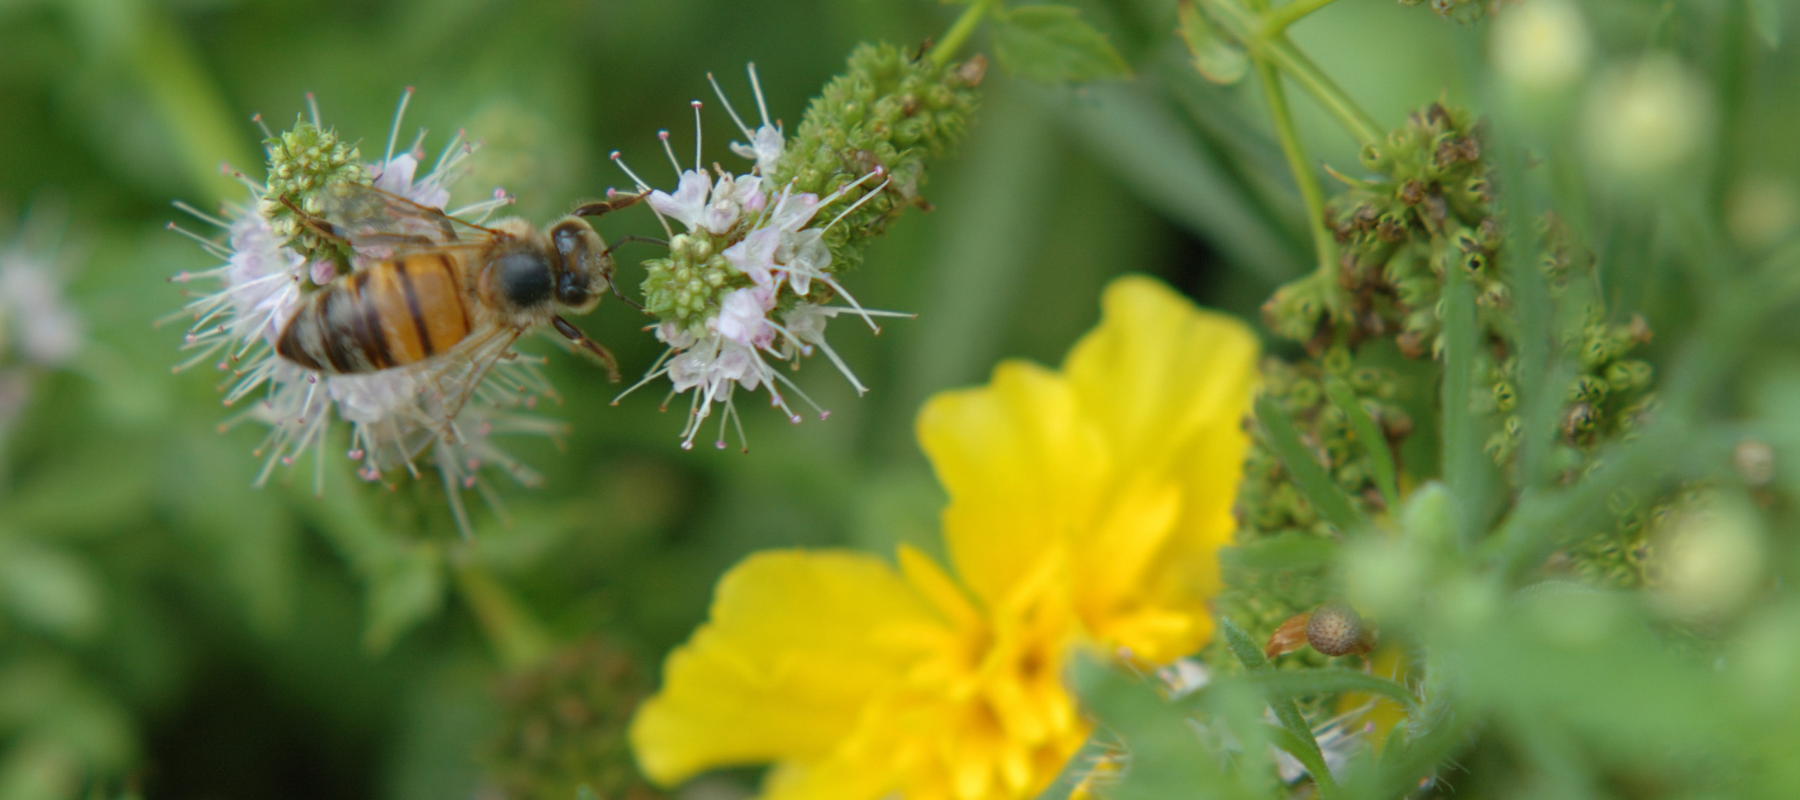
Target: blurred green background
point(170, 631)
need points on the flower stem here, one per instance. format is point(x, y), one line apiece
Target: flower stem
point(1279, 19)
point(1268, 43)
point(1304, 175)
point(518, 640)
point(960, 31)
point(1316, 83)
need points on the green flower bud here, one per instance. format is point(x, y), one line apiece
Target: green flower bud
point(887, 110)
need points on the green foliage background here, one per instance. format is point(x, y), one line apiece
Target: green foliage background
point(168, 630)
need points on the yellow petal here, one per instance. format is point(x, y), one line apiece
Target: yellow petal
point(1022, 468)
point(938, 588)
point(1158, 368)
point(831, 779)
point(793, 653)
point(1169, 385)
point(1134, 530)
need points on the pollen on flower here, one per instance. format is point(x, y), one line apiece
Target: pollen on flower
point(273, 263)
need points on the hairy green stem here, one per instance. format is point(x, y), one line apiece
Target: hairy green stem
point(1324, 246)
point(960, 31)
point(1279, 19)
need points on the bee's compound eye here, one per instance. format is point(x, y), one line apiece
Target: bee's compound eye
point(523, 278)
point(567, 239)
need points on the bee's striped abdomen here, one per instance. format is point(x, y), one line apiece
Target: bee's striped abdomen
point(392, 314)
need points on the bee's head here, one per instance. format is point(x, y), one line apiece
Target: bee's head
point(585, 269)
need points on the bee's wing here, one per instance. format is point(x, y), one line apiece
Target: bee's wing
point(368, 217)
point(443, 385)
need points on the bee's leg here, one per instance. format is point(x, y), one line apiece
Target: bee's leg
point(575, 335)
point(613, 202)
point(324, 229)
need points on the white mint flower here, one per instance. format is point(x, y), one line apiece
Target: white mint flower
point(742, 317)
point(45, 329)
point(688, 203)
point(39, 329)
point(394, 414)
point(734, 293)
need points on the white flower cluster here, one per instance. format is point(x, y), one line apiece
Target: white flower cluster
point(394, 413)
point(38, 328)
point(769, 235)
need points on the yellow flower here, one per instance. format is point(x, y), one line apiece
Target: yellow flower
point(1086, 506)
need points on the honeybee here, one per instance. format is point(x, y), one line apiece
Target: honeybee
point(448, 298)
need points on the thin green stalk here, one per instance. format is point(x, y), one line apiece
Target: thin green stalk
point(1316, 83)
point(1308, 179)
point(1250, 28)
point(1279, 19)
point(960, 31)
point(191, 106)
point(518, 640)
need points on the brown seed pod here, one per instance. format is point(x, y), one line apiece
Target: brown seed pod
point(1335, 629)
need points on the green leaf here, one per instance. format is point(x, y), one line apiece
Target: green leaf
point(1304, 746)
point(1292, 683)
point(1371, 437)
point(1765, 18)
point(1248, 652)
point(1293, 550)
point(1131, 130)
point(1324, 493)
point(586, 792)
point(50, 589)
point(1051, 44)
point(1216, 59)
point(403, 593)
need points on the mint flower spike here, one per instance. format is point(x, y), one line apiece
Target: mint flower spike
point(746, 282)
point(272, 263)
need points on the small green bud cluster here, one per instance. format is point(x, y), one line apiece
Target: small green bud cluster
point(1609, 393)
point(564, 726)
point(888, 110)
point(685, 287)
point(304, 162)
point(1268, 501)
point(1260, 597)
point(1427, 210)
